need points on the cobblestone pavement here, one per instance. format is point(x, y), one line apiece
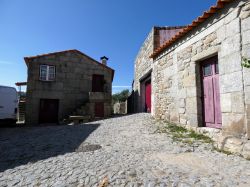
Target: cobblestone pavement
point(126, 149)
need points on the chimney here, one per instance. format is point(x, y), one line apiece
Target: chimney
point(104, 60)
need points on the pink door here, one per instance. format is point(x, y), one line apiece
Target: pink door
point(211, 93)
point(148, 96)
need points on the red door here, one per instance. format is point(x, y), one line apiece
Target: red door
point(148, 96)
point(97, 83)
point(211, 93)
point(99, 109)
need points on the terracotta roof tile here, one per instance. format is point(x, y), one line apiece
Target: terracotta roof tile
point(213, 9)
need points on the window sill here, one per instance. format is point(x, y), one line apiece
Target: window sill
point(47, 80)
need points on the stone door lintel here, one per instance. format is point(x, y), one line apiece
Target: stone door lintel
point(206, 54)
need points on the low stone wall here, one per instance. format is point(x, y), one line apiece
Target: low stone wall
point(239, 146)
point(120, 108)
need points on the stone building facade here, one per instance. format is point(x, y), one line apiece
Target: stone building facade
point(177, 77)
point(143, 62)
point(62, 83)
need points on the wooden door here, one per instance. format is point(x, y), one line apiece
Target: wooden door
point(148, 96)
point(97, 83)
point(99, 109)
point(48, 112)
point(211, 93)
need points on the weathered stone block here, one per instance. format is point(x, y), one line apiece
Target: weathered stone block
point(230, 63)
point(248, 111)
point(210, 38)
point(191, 92)
point(183, 121)
point(246, 77)
point(226, 102)
point(233, 124)
point(192, 120)
point(182, 103)
point(233, 28)
point(230, 45)
point(246, 37)
point(174, 116)
point(191, 105)
point(189, 81)
point(245, 24)
point(231, 82)
point(233, 144)
point(182, 93)
point(246, 150)
point(248, 127)
point(237, 102)
point(232, 15)
point(246, 51)
point(221, 33)
point(182, 110)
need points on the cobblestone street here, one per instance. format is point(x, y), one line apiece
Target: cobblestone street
point(126, 149)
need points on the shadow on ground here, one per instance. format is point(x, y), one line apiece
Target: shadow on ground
point(19, 146)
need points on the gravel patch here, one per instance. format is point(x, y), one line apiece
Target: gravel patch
point(128, 150)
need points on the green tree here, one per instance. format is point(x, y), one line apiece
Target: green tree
point(120, 96)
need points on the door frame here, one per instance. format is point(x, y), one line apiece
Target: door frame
point(145, 105)
point(39, 117)
point(201, 65)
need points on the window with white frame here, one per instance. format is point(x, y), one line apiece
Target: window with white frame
point(47, 73)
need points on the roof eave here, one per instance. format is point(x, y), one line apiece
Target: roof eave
point(213, 9)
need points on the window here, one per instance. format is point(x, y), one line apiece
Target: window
point(207, 70)
point(47, 73)
point(97, 83)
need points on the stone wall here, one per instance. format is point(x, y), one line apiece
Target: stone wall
point(245, 37)
point(72, 85)
point(176, 77)
point(143, 64)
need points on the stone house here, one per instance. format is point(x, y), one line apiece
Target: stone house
point(67, 83)
point(195, 76)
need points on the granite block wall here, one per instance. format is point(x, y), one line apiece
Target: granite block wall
point(72, 84)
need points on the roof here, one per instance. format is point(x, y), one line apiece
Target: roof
point(213, 10)
point(169, 27)
point(27, 59)
point(21, 83)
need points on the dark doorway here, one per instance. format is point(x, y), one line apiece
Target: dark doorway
point(99, 109)
point(97, 83)
point(211, 93)
point(48, 112)
point(148, 96)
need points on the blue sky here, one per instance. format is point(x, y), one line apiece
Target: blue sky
point(114, 28)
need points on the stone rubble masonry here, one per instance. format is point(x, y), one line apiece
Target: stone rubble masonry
point(175, 77)
point(144, 64)
point(73, 85)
